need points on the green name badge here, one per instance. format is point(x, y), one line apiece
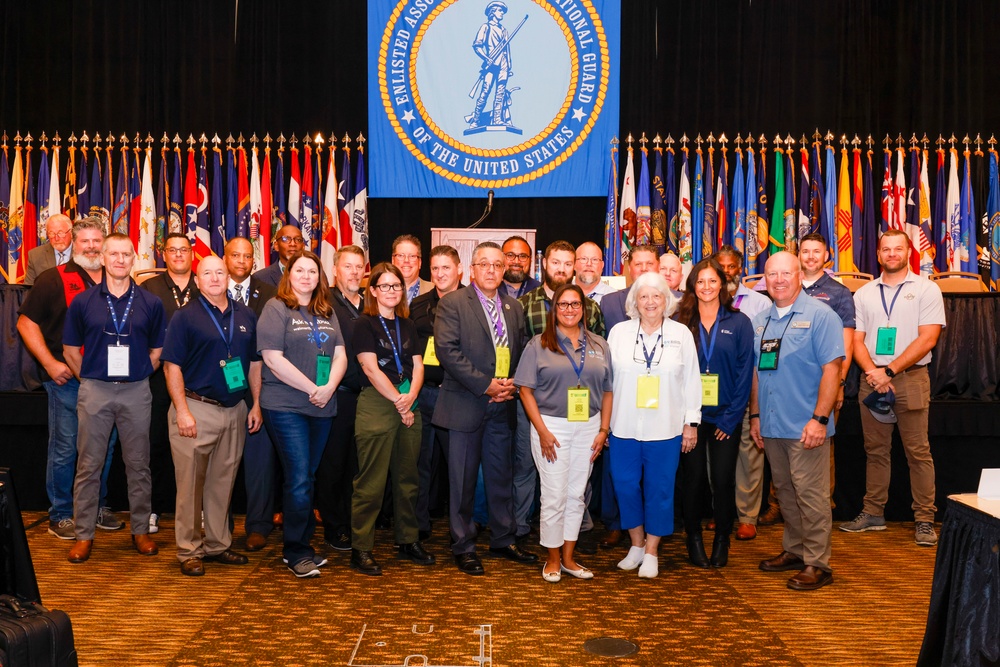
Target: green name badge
point(769, 350)
point(404, 388)
point(885, 341)
point(709, 390)
point(578, 404)
point(323, 364)
point(232, 371)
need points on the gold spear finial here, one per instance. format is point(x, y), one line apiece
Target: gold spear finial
point(643, 141)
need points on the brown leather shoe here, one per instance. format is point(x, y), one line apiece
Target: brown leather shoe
point(227, 557)
point(193, 567)
point(612, 539)
point(746, 531)
point(145, 545)
point(770, 517)
point(278, 519)
point(80, 551)
point(782, 562)
point(810, 579)
point(256, 542)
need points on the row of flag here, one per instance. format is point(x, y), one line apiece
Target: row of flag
point(250, 201)
point(693, 215)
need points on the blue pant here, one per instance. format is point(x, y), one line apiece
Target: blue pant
point(258, 478)
point(299, 441)
point(653, 465)
point(60, 468)
point(433, 446)
point(609, 503)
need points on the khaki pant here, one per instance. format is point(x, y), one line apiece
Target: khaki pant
point(749, 476)
point(802, 481)
point(913, 398)
point(205, 470)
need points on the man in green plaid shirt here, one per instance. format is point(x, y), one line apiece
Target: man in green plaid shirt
point(557, 268)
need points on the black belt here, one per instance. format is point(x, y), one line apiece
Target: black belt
point(349, 390)
point(203, 399)
point(914, 367)
point(433, 385)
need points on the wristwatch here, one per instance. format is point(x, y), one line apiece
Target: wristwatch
point(822, 419)
point(889, 372)
point(693, 424)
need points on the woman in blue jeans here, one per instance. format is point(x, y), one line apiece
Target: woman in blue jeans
point(304, 361)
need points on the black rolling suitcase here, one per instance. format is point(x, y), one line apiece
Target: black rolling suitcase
point(30, 634)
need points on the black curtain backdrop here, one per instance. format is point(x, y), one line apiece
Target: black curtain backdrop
point(186, 66)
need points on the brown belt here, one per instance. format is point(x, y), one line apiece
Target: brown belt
point(203, 399)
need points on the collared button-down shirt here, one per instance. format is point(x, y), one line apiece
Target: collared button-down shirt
point(597, 292)
point(750, 302)
point(835, 295)
point(536, 304)
point(919, 303)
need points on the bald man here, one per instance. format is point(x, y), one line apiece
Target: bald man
point(799, 347)
point(56, 252)
point(672, 272)
point(287, 242)
point(211, 363)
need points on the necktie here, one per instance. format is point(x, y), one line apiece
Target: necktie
point(498, 337)
point(238, 288)
point(62, 257)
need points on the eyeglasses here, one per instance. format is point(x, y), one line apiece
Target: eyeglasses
point(386, 287)
point(177, 251)
point(569, 305)
point(405, 258)
point(291, 239)
point(486, 266)
point(60, 235)
point(589, 260)
point(519, 256)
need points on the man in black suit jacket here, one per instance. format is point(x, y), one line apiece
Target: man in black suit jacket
point(259, 461)
point(288, 242)
point(478, 336)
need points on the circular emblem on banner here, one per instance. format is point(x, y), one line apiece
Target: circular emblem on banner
point(995, 238)
point(493, 94)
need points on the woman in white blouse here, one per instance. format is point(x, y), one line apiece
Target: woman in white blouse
point(656, 412)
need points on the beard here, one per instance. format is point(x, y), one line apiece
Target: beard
point(86, 263)
point(733, 284)
point(553, 282)
point(514, 274)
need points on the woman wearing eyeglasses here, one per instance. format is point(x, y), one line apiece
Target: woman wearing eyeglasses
point(724, 337)
point(565, 384)
point(304, 361)
point(388, 425)
point(655, 416)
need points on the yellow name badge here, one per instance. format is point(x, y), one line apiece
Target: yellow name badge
point(578, 404)
point(647, 392)
point(430, 358)
point(503, 362)
point(709, 390)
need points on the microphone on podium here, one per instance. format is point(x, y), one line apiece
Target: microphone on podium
point(489, 209)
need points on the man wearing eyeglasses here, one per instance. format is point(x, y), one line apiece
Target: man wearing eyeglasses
point(288, 242)
point(59, 232)
point(175, 288)
point(478, 338)
point(517, 278)
point(589, 269)
point(406, 258)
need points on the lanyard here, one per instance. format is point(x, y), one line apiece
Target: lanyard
point(315, 330)
point(782, 331)
point(709, 347)
point(498, 322)
point(218, 327)
point(128, 310)
point(583, 356)
point(739, 300)
point(888, 309)
point(648, 354)
point(178, 292)
point(395, 350)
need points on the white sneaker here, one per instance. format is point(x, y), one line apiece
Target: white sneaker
point(650, 567)
point(633, 558)
point(154, 523)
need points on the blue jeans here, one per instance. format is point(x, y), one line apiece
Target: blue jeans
point(299, 441)
point(60, 468)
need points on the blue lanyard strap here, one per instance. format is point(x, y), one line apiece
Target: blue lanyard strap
point(395, 349)
point(119, 327)
point(709, 347)
point(648, 354)
point(583, 356)
point(316, 332)
point(218, 327)
point(888, 309)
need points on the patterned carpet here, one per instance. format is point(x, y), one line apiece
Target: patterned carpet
point(129, 610)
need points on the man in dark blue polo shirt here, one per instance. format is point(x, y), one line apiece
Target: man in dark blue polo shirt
point(121, 327)
point(210, 361)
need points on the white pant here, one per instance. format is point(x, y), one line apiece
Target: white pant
point(564, 481)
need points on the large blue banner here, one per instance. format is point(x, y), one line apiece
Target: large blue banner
point(465, 96)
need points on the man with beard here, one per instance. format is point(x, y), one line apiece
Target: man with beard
point(40, 324)
point(517, 263)
point(557, 268)
point(750, 462)
point(288, 242)
point(589, 268)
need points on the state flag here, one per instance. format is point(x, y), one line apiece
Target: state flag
point(256, 208)
point(684, 214)
point(739, 234)
point(844, 257)
point(146, 254)
point(330, 239)
point(360, 205)
point(627, 212)
point(776, 234)
point(308, 202)
point(642, 208)
point(4, 212)
point(658, 215)
point(16, 260)
point(698, 208)
point(953, 215)
point(266, 208)
point(752, 247)
point(217, 209)
point(202, 244)
point(612, 235)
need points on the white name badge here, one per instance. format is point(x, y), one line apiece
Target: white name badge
point(117, 361)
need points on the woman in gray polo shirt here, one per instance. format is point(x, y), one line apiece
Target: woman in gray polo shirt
point(565, 380)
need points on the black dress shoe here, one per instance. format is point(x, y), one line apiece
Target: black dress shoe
point(720, 550)
point(416, 553)
point(514, 553)
point(338, 541)
point(364, 562)
point(696, 550)
point(586, 546)
point(469, 564)
point(227, 557)
point(424, 535)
